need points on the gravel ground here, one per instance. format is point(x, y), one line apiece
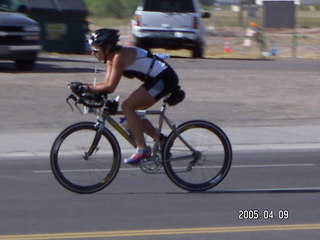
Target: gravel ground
point(306, 41)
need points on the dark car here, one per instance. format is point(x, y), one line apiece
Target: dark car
point(19, 37)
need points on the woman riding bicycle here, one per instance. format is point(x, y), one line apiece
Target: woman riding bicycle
point(158, 77)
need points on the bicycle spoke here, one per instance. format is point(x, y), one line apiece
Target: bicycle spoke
point(81, 173)
point(204, 168)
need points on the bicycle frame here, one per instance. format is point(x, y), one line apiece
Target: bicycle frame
point(123, 132)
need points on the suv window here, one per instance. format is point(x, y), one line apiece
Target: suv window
point(169, 6)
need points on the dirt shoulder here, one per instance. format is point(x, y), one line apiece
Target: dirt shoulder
point(300, 43)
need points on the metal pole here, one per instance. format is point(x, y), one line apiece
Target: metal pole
point(240, 15)
point(294, 44)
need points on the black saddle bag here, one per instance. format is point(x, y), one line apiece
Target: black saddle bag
point(176, 97)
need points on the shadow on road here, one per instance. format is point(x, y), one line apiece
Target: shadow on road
point(47, 65)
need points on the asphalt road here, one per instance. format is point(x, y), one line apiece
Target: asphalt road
point(282, 187)
point(267, 94)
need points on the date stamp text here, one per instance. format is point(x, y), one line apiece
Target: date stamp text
point(255, 214)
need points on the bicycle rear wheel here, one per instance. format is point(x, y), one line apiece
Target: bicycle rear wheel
point(78, 172)
point(205, 166)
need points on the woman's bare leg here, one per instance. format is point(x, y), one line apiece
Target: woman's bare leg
point(139, 99)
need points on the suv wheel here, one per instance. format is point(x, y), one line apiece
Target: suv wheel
point(197, 51)
point(141, 44)
point(25, 65)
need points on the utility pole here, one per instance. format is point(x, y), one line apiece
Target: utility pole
point(240, 14)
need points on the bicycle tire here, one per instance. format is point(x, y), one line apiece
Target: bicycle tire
point(69, 165)
point(208, 166)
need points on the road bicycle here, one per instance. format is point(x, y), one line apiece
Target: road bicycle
point(86, 156)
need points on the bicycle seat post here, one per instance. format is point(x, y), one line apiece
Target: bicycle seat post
point(164, 104)
point(161, 117)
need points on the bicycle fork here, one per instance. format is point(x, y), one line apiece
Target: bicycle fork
point(93, 148)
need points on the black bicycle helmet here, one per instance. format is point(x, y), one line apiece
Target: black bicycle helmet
point(105, 37)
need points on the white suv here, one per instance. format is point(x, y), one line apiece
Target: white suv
point(169, 24)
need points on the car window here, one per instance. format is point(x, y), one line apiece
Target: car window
point(5, 4)
point(168, 6)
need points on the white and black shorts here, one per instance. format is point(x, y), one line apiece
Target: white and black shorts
point(163, 84)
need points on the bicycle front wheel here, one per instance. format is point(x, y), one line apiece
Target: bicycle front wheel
point(74, 169)
point(197, 156)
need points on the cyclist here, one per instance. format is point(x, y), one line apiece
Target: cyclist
point(158, 77)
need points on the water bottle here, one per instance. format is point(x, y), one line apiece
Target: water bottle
point(141, 114)
point(124, 123)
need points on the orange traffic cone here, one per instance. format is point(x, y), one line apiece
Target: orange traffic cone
point(227, 45)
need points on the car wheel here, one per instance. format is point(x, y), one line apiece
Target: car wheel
point(25, 65)
point(141, 44)
point(197, 51)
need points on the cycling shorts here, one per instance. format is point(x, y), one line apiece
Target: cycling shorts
point(163, 84)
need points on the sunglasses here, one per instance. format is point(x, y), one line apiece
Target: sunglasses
point(95, 50)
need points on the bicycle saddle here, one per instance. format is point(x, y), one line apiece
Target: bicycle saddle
point(175, 97)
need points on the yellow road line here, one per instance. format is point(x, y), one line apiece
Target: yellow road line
point(159, 232)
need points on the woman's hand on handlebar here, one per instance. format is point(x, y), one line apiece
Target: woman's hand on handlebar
point(78, 87)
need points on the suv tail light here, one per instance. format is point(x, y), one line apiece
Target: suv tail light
point(137, 18)
point(195, 22)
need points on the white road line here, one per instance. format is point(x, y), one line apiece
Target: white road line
point(232, 166)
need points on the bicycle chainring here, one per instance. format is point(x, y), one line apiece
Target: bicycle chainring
point(151, 165)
